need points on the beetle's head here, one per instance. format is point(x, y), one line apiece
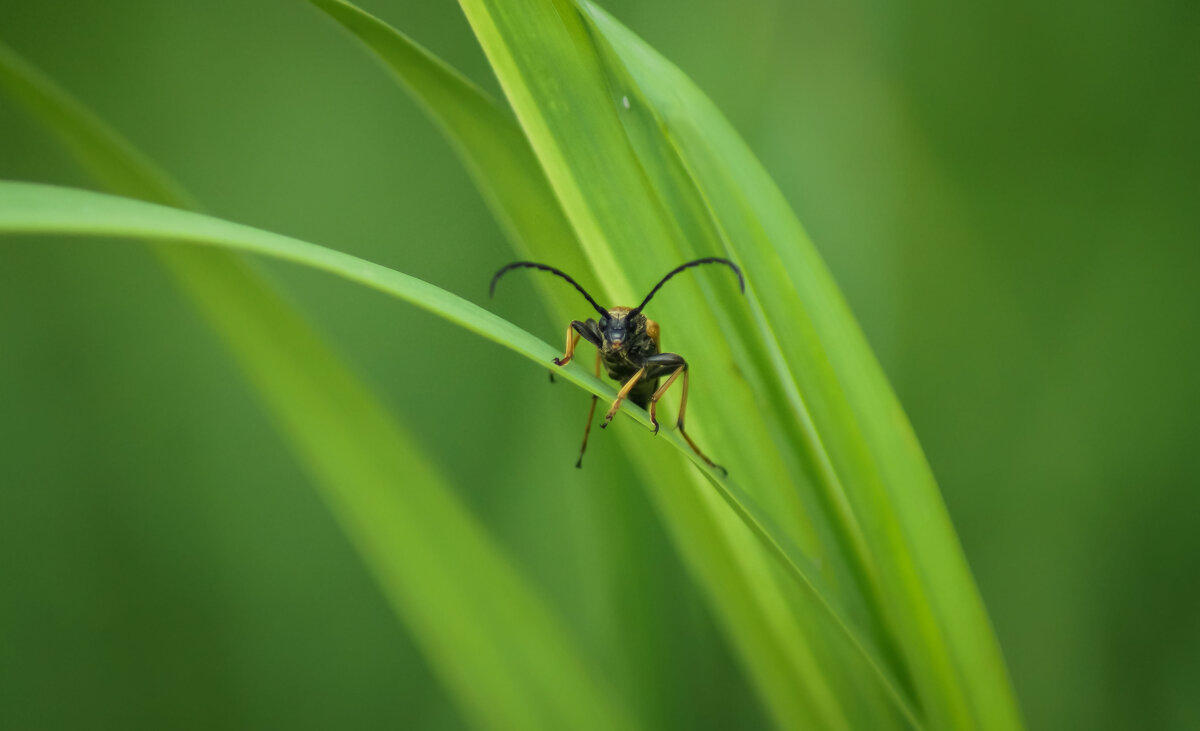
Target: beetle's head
point(620, 327)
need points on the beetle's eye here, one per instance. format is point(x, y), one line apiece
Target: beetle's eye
point(604, 322)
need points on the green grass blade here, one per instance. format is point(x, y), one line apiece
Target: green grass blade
point(874, 470)
point(504, 656)
point(879, 468)
point(37, 209)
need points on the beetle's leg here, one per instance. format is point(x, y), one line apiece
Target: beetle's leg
point(665, 361)
point(567, 357)
point(572, 341)
point(612, 411)
point(591, 413)
point(588, 330)
point(681, 367)
point(658, 394)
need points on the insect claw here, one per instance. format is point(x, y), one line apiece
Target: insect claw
point(655, 423)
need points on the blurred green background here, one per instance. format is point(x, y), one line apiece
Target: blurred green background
point(1008, 193)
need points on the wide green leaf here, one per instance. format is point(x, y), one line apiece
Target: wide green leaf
point(504, 656)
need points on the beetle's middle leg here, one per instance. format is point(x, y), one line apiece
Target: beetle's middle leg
point(591, 413)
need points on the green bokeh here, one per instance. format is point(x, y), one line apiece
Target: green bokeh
point(1007, 194)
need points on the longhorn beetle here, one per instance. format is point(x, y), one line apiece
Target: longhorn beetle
point(627, 344)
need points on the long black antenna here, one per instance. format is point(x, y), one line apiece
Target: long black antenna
point(681, 267)
point(534, 265)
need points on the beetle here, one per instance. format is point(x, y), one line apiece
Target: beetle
point(627, 345)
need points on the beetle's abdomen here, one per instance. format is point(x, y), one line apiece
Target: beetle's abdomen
point(642, 392)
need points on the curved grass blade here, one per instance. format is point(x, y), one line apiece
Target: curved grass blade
point(875, 471)
point(504, 656)
point(37, 209)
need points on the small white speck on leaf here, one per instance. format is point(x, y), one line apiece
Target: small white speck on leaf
point(625, 101)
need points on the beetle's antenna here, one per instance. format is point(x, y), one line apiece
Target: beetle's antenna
point(534, 265)
point(681, 267)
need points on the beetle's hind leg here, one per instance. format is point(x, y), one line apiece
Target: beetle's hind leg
point(668, 361)
point(591, 414)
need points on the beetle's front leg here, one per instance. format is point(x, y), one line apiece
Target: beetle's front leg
point(622, 394)
point(588, 330)
point(572, 341)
